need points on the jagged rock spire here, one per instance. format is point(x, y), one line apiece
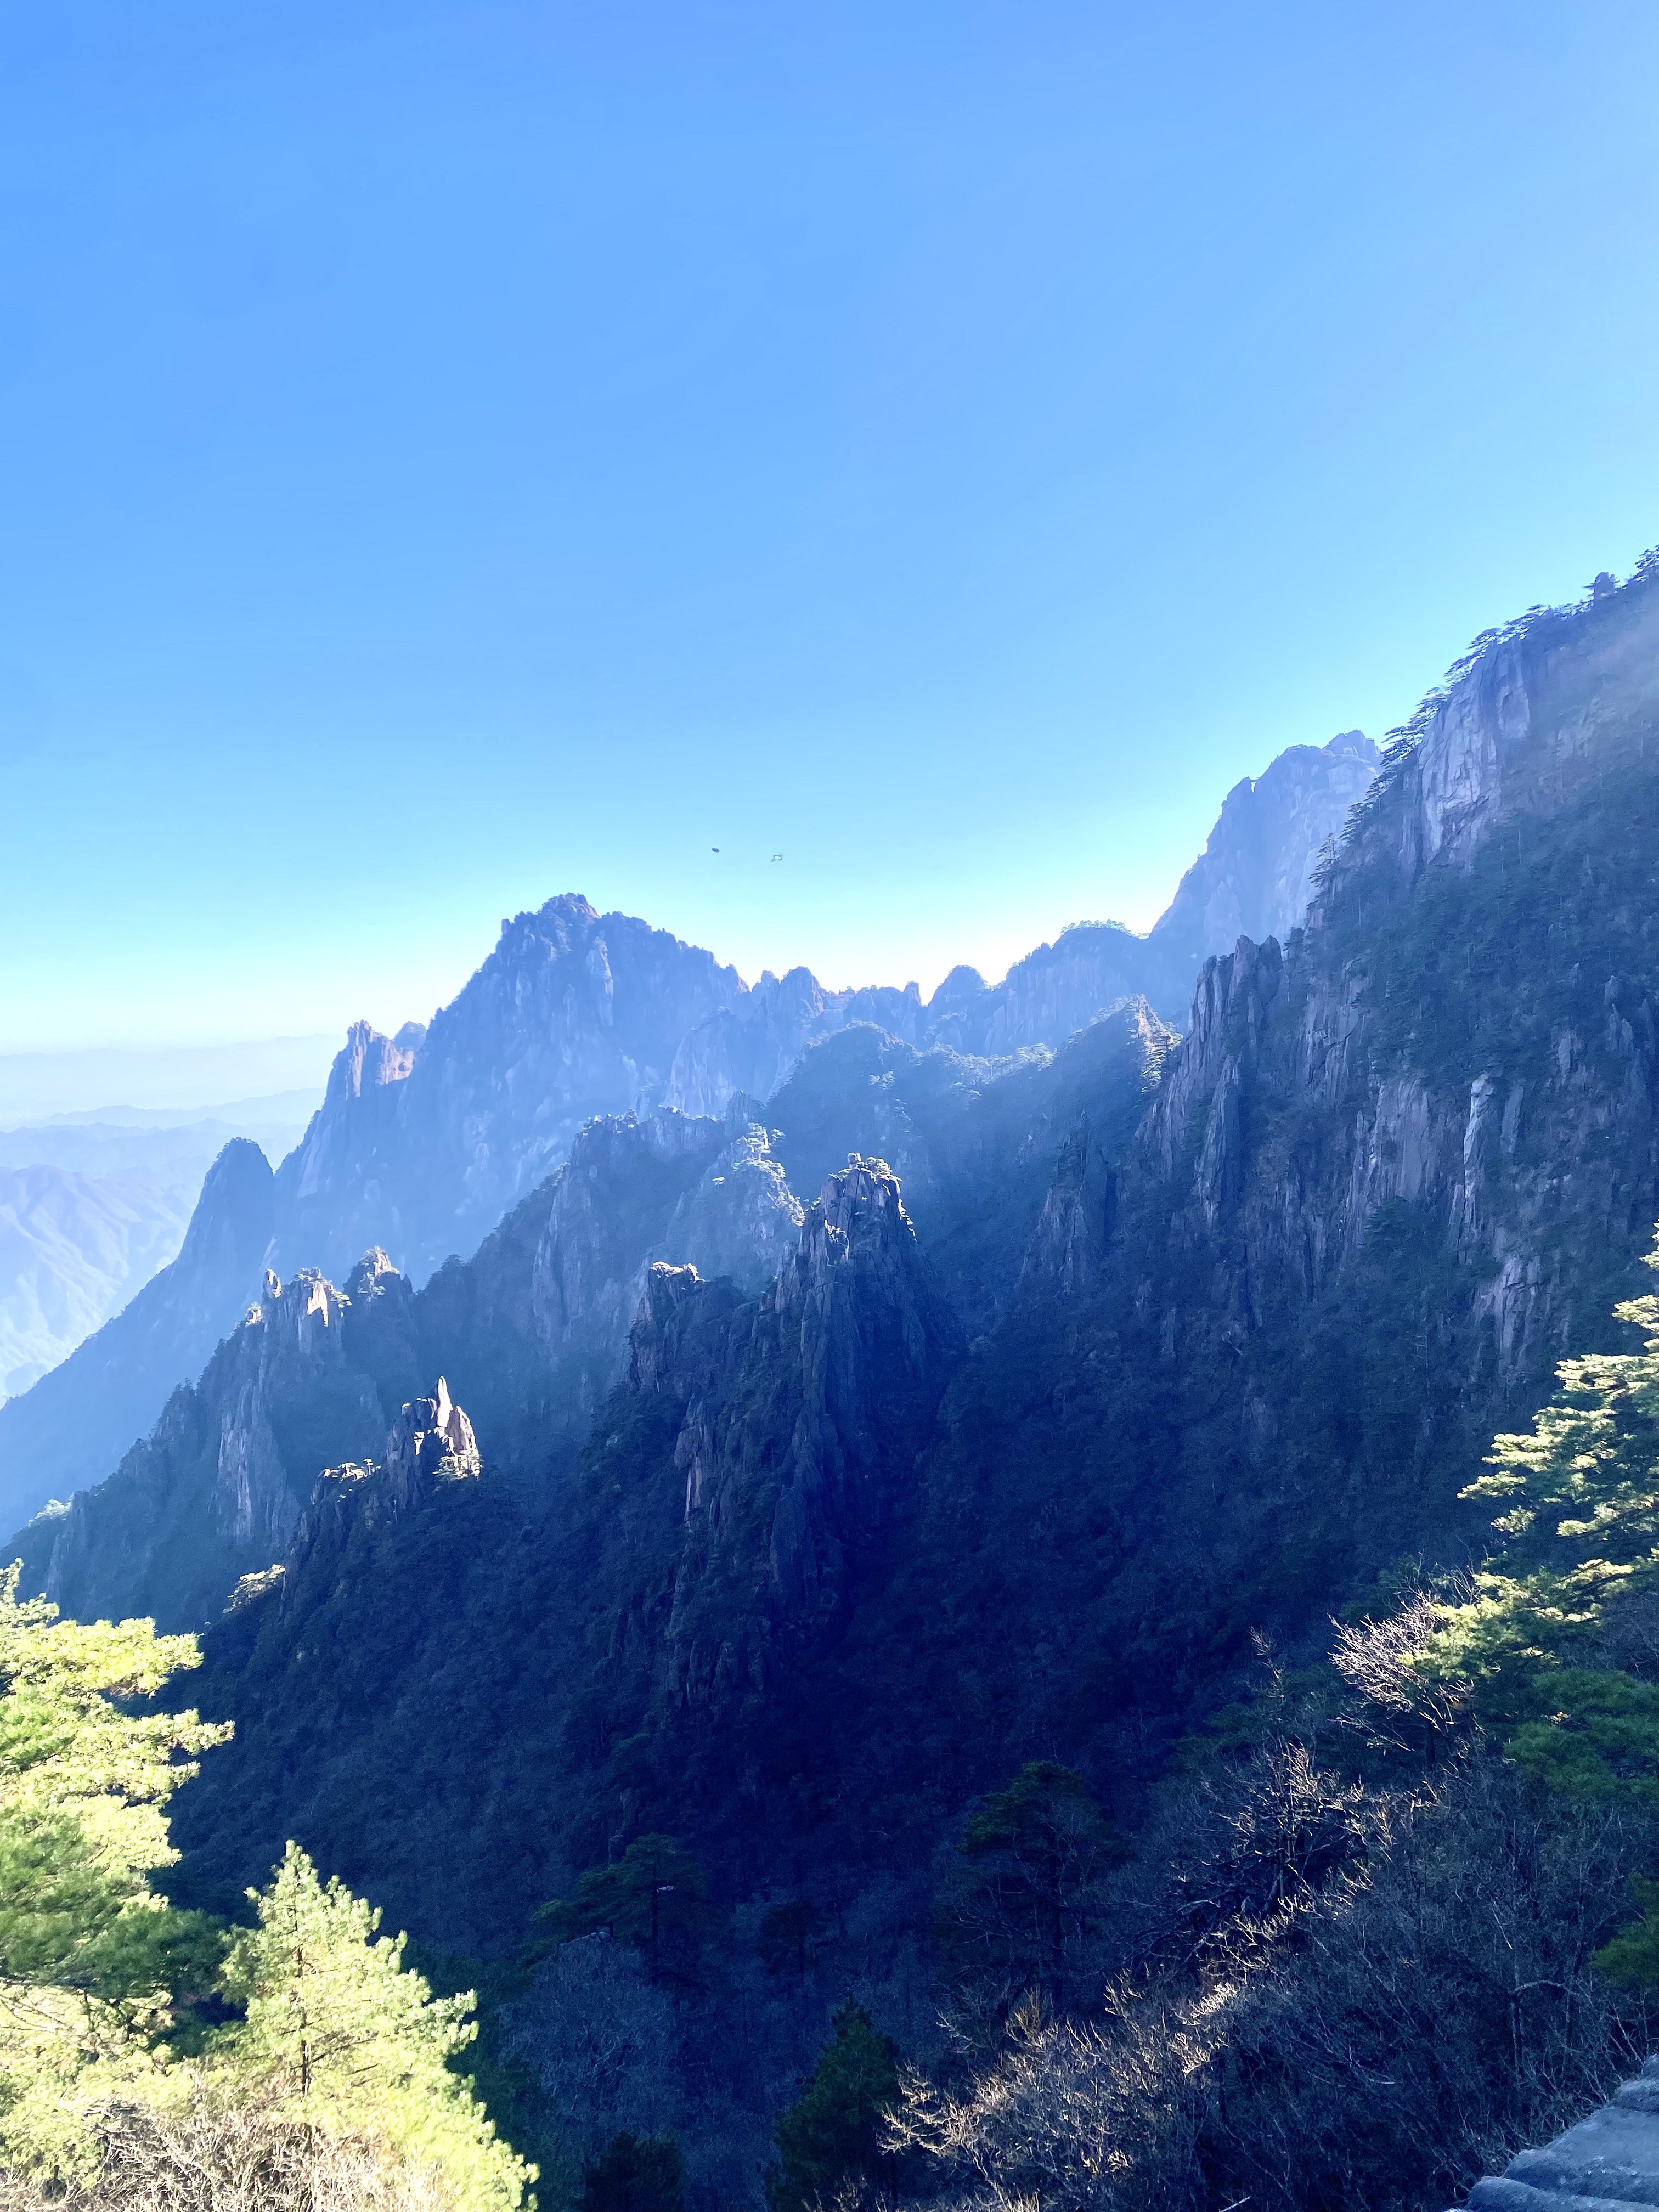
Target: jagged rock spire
point(430, 1435)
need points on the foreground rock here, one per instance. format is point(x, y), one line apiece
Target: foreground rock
point(1610, 2159)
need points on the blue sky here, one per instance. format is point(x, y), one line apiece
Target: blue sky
point(456, 453)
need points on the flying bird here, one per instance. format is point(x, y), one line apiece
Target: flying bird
point(777, 856)
point(714, 848)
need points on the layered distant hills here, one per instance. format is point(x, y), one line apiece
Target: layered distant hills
point(91, 1206)
point(425, 1139)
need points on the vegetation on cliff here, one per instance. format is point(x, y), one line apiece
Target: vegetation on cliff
point(155, 2057)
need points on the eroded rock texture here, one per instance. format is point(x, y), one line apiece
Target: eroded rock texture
point(1610, 2159)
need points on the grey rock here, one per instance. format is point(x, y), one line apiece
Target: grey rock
point(1257, 874)
point(1610, 2159)
point(430, 1436)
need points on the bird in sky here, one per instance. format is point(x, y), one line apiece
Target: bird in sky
point(777, 856)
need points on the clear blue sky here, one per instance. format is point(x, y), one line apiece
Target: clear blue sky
point(456, 453)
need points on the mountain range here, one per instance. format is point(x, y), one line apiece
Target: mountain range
point(92, 1206)
point(425, 1139)
point(1138, 1350)
point(859, 1427)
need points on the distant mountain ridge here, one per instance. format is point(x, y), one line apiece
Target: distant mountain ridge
point(1241, 1346)
point(91, 1206)
point(425, 1139)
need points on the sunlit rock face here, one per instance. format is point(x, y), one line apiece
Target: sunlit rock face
point(1461, 1043)
point(424, 1140)
point(1256, 875)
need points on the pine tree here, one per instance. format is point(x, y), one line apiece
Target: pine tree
point(93, 1965)
point(1035, 1856)
point(653, 1897)
point(832, 2134)
point(1578, 1582)
point(339, 2069)
point(339, 2033)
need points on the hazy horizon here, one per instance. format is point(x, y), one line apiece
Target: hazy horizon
point(458, 456)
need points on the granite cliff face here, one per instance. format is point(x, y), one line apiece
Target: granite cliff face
point(73, 1426)
point(800, 1417)
point(1461, 1045)
point(1255, 876)
point(534, 1330)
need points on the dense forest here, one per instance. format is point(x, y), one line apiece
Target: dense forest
point(1388, 1913)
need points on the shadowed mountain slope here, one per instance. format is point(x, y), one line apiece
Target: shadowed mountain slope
point(84, 1414)
point(427, 1139)
point(1283, 1281)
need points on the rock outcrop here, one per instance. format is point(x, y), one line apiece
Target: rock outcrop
point(1257, 874)
point(1611, 2159)
point(800, 1415)
point(430, 1436)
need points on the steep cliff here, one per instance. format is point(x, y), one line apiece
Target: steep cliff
point(72, 1427)
point(1458, 1051)
point(216, 1490)
point(533, 1330)
point(844, 1356)
point(1257, 874)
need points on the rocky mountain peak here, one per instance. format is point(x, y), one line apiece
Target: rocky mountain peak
point(375, 1264)
point(368, 1060)
point(430, 1436)
point(1255, 876)
point(1531, 715)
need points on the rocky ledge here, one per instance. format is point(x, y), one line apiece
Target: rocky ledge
point(1610, 2159)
